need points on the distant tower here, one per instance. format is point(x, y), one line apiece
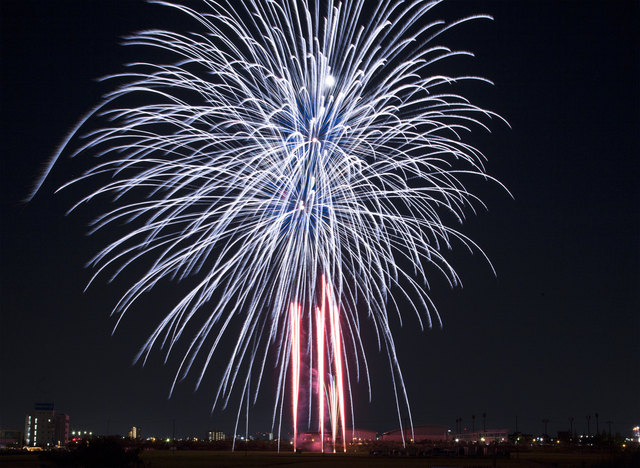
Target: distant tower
point(44, 428)
point(135, 433)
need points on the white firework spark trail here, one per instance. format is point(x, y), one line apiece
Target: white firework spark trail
point(288, 140)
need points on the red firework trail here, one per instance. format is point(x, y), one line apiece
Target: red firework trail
point(296, 312)
point(335, 391)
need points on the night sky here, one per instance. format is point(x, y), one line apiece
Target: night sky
point(554, 335)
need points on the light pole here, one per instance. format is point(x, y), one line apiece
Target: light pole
point(484, 422)
point(571, 429)
point(546, 435)
point(473, 424)
point(597, 428)
point(589, 426)
point(517, 439)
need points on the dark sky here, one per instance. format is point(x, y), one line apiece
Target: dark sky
point(554, 335)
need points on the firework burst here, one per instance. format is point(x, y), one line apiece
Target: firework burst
point(287, 140)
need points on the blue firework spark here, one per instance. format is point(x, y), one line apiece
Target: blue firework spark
point(287, 140)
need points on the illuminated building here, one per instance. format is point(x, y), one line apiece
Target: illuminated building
point(44, 428)
point(216, 435)
point(135, 433)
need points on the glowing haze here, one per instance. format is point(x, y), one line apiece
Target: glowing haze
point(291, 162)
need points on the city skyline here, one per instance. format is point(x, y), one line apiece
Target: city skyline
point(573, 428)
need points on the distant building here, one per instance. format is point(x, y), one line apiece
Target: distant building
point(44, 428)
point(135, 433)
point(489, 436)
point(216, 435)
point(10, 438)
point(313, 442)
point(418, 434)
point(360, 436)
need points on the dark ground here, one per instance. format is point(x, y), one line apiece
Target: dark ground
point(218, 459)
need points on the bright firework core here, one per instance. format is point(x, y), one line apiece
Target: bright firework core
point(329, 349)
point(329, 81)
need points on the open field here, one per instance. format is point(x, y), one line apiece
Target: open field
point(220, 459)
point(359, 460)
